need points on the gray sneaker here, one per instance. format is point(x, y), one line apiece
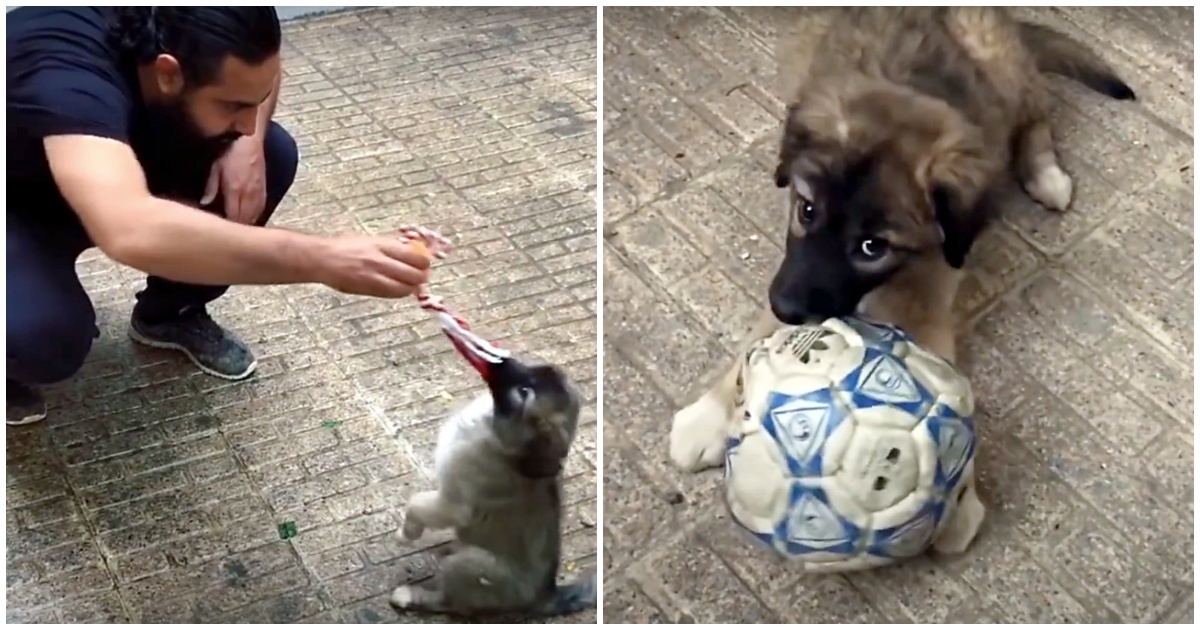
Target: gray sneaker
point(25, 404)
point(213, 349)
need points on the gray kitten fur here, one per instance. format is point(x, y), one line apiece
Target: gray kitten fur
point(499, 467)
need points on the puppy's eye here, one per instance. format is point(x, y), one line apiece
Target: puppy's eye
point(871, 249)
point(806, 211)
point(525, 392)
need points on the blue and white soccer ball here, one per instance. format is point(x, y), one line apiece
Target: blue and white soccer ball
point(854, 447)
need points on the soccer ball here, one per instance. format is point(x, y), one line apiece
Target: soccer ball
point(852, 446)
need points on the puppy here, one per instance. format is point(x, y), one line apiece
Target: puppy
point(898, 136)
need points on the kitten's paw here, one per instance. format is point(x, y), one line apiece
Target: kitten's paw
point(402, 597)
point(698, 434)
point(1051, 187)
point(413, 529)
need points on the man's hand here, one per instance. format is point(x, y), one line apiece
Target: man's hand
point(241, 176)
point(378, 266)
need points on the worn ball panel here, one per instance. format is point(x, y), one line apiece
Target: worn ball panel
point(812, 525)
point(955, 495)
point(761, 384)
point(804, 350)
point(879, 467)
point(884, 380)
point(757, 483)
point(897, 538)
point(883, 337)
point(852, 442)
point(936, 375)
point(952, 438)
point(801, 425)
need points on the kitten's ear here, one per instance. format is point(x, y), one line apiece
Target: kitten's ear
point(795, 137)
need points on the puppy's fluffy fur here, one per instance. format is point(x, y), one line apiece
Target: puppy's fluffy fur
point(898, 135)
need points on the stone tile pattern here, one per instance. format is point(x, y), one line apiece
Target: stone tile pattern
point(153, 493)
point(1078, 338)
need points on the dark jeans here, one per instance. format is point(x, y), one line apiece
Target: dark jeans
point(51, 320)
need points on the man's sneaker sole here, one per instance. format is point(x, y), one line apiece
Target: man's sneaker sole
point(170, 345)
point(30, 419)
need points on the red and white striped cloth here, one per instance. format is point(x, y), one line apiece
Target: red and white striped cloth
point(479, 352)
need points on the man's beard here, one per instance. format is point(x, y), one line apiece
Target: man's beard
point(172, 127)
point(175, 153)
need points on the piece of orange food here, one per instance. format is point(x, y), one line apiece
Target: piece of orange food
point(421, 248)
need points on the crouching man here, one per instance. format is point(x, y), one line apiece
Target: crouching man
point(147, 132)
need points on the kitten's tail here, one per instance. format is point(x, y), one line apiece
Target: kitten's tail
point(572, 597)
point(1056, 53)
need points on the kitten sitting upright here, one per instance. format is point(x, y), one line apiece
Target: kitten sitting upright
point(499, 465)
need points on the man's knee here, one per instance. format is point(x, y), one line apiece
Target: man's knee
point(50, 320)
point(49, 347)
point(282, 161)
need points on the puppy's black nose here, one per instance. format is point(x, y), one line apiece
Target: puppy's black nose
point(816, 306)
point(788, 311)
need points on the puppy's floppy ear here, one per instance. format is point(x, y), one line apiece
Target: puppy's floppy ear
point(959, 228)
point(783, 174)
point(957, 176)
point(795, 136)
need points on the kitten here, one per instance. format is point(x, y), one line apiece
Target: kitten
point(499, 465)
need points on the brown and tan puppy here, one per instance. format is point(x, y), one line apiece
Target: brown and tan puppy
point(898, 135)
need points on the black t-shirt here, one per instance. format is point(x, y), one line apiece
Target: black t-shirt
point(64, 77)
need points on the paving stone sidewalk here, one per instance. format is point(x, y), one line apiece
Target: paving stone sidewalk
point(1080, 338)
point(153, 493)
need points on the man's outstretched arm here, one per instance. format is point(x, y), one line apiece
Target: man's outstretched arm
point(103, 182)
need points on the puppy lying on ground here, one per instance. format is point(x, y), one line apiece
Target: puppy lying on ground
point(898, 137)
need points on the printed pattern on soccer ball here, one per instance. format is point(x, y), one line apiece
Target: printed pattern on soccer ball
point(853, 446)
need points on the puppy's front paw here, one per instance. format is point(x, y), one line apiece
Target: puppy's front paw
point(965, 523)
point(698, 434)
point(402, 597)
point(1051, 187)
